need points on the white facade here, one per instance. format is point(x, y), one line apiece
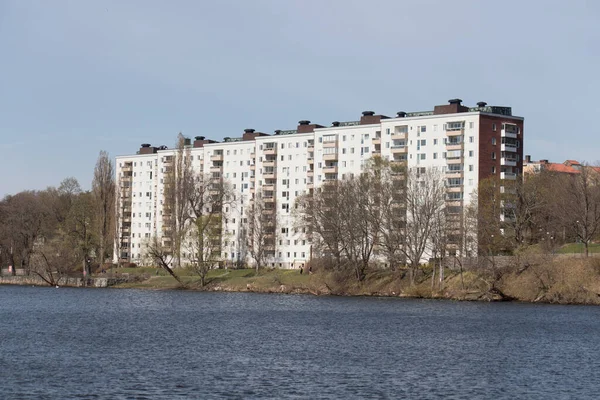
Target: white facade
point(290, 164)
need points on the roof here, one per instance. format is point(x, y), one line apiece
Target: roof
point(562, 168)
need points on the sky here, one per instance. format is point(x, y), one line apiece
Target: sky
point(78, 77)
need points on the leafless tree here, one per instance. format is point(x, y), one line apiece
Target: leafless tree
point(578, 204)
point(178, 184)
point(206, 201)
point(103, 189)
point(162, 256)
point(261, 229)
point(425, 198)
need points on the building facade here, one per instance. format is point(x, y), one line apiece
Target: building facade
point(467, 144)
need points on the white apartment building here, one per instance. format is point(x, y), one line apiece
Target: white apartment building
point(467, 143)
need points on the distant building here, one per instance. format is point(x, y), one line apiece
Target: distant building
point(567, 167)
point(467, 143)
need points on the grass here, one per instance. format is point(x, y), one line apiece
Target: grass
point(574, 248)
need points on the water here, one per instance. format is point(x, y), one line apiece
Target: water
point(133, 344)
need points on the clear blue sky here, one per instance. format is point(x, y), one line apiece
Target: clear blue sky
point(77, 77)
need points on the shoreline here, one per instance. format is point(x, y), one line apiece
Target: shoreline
point(513, 286)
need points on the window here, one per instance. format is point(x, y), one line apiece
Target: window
point(471, 168)
point(471, 152)
point(471, 125)
point(434, 141)
point(423, 142)
point(422, 156)
point(493, 155)
point(494, 141)
point(423, 129)
point(494, 127)
point(493, 170)
point(387, 131)
point(435, 156)
point(472, 139)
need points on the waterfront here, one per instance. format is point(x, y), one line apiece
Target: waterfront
point(103, 343)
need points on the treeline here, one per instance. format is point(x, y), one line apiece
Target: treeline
point(60, 231)
point(399, 218)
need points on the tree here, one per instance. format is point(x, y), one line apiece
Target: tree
point(162, 256)
point(425, 199)
point(206, 200)
point(261, 229)
point(578, 204)
point(103, 189)
point(178, 184)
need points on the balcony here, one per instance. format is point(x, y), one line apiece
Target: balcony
point(330, 157)
point(455, 146)
point(454, 189)
point(310, 172)
point(311, 160)
point(269, 163)
point(508, 147)
point(454, 173)
point(269, 174)
point(330, 169)
point(216, 168)
point(399, 149)
point(398, 135)
point(127, 168)
point(508, 175)
point(331, 143)
point(509, 162)
point(455, 160)
point(270, 150)
point(508, 133)
point(268, 187)
point(269, 199)
point(377, 140)
point(216, 157)
point(457, 132)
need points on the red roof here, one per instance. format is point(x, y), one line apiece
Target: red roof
point(562, 168)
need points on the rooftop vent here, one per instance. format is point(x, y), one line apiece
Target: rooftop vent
point(162, 147)
point(277, 131)
point(368, 113)
point(304, 122)
point(335, 123)
point(455, 101)
point(401, 114)
point(481, 104)
point(145, 144)
point(249, 130)
point(199, 137)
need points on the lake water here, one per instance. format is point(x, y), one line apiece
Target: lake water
point(134, 344)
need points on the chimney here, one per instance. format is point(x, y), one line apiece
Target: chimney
point(250, 134)
point(401, 114)
point(481, 104)
point(369, 117)
point(147, 149)
point(335, 123)
point(454, 106)
point(543, 161)
point(305, 126)
point(200, 141)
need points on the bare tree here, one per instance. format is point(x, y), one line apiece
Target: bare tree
point(425, 197)
point(206, 202)
point(162, 256)
point(54, 259)
point(578, 205)
point(103, 189)
point(178, 184)
point(261, 229)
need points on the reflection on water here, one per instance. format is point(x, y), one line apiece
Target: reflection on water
point(103, 343)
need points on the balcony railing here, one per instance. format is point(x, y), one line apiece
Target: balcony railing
point(508, 175)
